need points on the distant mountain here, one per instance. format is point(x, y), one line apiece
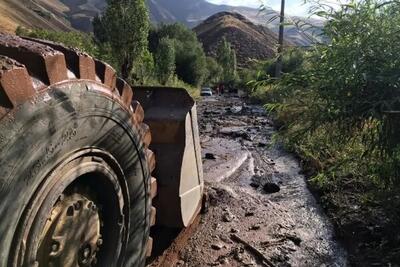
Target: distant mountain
point(250, 41)
point(78, 14)
point(192, 12)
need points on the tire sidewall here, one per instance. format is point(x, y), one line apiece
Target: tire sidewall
point(39, 134)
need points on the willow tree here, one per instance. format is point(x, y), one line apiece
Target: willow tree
point(124, 26)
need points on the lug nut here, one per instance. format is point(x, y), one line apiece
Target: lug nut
point(77, 205)
point(55, 246)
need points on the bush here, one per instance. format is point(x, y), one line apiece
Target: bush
point(338, 106)
point(83, 41)
point(190, 60)
point(292, 61)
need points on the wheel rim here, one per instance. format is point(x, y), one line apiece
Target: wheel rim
point(78, 216)
point(63, 241)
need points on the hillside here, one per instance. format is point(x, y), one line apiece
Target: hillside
point(193, 12)
point(47, 14)
point(78, 14)
point(250, 41)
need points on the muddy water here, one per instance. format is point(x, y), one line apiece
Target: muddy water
point(261, 212)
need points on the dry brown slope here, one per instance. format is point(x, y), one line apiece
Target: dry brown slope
point(46, 14)
point(250, 41)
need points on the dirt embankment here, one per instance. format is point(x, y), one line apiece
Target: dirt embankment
point(260, 210)
point(249, 41)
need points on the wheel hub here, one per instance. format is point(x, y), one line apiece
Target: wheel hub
point(71, 235)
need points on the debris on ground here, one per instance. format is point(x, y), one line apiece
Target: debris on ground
point(260, 211)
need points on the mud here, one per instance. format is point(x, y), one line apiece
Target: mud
point(261, 212)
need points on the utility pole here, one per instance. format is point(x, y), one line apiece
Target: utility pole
point(278, 70)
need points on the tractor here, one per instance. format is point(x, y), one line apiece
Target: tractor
point(88, 164)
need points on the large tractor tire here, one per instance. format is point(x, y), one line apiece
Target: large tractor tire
point(75, 168)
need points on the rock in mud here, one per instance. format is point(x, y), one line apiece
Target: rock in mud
point(262, 144)
point(255, 227)
point(210, 156)
point(295, 239)
point(255, 185)
point(249, 214)
point(228, 217)
point(271, 188)
point(238, 254)
point(216, 246)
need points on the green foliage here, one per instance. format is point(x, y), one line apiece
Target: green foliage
point(83, 41)
point(226, 57)
point(144, 68)
point(214, 71)
point(357, 74)
point(292, 60)
point(80, 40)
point(177, 83)
point(338, 104)
point(165, 59)
point(124, 25)
point(190, 60)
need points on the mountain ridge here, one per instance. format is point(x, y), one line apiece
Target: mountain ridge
point(250, 41)
point(67, 15)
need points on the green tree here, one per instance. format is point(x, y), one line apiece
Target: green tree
point(214, 71)
point(226, 57)
point(165, 60)
point(144, 67)
point(190, 59)
point(125, 26)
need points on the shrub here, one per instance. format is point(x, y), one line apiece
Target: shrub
point(190, 60)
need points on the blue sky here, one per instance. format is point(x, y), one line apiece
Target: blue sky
point(293, 7)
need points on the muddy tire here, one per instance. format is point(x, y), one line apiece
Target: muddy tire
point(75, 168)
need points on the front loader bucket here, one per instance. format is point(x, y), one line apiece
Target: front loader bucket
point(172, 117)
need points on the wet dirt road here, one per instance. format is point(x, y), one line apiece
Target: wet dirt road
point(260, 210)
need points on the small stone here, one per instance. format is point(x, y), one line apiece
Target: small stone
point(271, 188)
point(255, 227)
point(223, 261)
point(295, 239)
point(228, 217)
point(249, 213)
point(210, 156)
point(180, 262)
point(254, 185)
point(237, 254)
point(216, 246)
point(262, 144)
point(250, 263)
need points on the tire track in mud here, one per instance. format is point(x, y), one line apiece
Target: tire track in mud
point(242, 168)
